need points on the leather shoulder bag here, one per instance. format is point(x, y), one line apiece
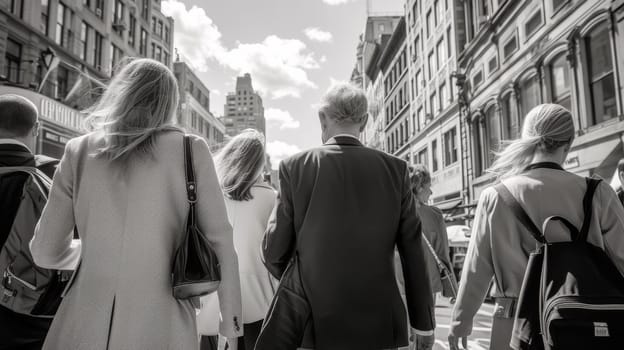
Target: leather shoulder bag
point(196, 269)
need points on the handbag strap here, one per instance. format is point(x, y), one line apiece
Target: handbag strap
point(519, 212)
point(592, 185)
point(435, 256)
point(189, 172)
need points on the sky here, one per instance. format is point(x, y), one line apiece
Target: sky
point(293, 49)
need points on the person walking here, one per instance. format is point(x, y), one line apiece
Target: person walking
point(123, 187)
point(531, 169)
point(341, 211)
point(19, 128)
point(249, 202)
point(433, 228)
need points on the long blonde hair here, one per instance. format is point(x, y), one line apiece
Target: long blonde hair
point(240, 163)
point(547, 127)
point(141, 100)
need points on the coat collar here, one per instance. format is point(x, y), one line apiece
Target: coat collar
point(14, 154)
point(344, 140)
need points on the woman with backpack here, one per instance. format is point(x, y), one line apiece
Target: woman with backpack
point(531, 170)
point(123, 187)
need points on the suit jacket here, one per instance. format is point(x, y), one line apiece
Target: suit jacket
point(131, 222)
point(344, 208)
point(500, 245)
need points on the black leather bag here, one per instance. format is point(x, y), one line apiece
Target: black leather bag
point(196, 270)
point(289, 315)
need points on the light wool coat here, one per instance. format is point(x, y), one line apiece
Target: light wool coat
point(131, 223)
point(500, 245)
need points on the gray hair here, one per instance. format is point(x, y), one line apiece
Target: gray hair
point(345, 103)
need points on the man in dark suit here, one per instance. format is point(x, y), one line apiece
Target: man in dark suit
point(18, 134)
point(343, 208)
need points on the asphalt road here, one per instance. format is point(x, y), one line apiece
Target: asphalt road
point(480, 338)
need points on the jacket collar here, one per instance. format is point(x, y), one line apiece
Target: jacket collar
point(544, 165)
point(344, 140)
point(14, 154)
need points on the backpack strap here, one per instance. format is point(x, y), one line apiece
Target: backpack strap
point(592, 185)
point(519, 212)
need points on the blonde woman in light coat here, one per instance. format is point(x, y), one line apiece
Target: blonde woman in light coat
point(123, 187)
point(530, 168)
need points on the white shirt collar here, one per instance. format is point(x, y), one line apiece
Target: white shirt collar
point(14, 142)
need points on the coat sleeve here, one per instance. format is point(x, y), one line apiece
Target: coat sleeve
point(478, 269)
point(612, 225)
point(410, 246)
point(279, 240)
point(52, 245)
point(213, 222)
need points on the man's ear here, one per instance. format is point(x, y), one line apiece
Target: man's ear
point(364, 121)
point(323, 120)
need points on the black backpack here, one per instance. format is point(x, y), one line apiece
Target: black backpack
point(572, 295)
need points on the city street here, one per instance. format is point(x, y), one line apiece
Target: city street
point(480, 338)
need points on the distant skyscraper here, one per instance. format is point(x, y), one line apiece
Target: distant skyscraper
point(243, 108)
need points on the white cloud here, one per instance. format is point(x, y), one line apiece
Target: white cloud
point(279, 67)
point(336, 2)
point(281, 118)
point(318, 34)
point(216, 92)
point(279, 151)
point(323, 59)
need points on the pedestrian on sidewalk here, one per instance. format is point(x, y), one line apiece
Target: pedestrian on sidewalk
point(123, 187)
point(249, 202)
point(531, 169)
point(342, 210)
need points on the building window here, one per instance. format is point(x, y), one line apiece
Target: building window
point(166, 58)
point(63, 26)
point(438, 15)
point(479, 147)
point(494, 134)
point(492, 64)
point(132, 30)
point(99, 8)
point(510, 47)
point(97, 51)
point(432, 67)
point(62, 82)
point(116, 55)
point(414, 12)
point(13, 58)
point(477, 79)
point(45, 10)
point(417, 83)
point(85, 29)
point(560, 81)
point(423, 157)
point(159, 29)
point(433, 104)
point(145, 9)
point(450, 147)
point(17, 8)
point(600, 64)
point(443, 96)
point(511, 129)
point(153, 49)
point(529, 96)
point(430, 25)
point(143, 43)
point(421, 119)
point(440, 53)
point(118, 17)
point(167, 35)
point(533, 24)
point(449, 41)
point(434, 156)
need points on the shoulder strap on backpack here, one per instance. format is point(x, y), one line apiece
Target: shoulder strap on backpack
point(519, 212)
point(592, 185)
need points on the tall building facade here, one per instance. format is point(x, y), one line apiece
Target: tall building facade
point(523, 53)
point(370, 77)
point(243, 108)
point(194, 109)
point(433, 30)
point(49, 47)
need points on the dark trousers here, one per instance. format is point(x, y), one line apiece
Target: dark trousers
point(22, 332)
point(246, 342)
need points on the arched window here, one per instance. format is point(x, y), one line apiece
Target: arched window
point(560, 82)
point(510, 127)
point(601, 82)
point(494, 133)
point(529, 96)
